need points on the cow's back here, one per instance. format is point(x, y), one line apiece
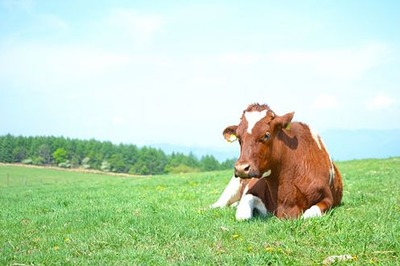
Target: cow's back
point(300, 150)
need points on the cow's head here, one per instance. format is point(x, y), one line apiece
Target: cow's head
point(256, 133)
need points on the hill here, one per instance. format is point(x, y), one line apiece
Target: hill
point(342, 144)
point(220, 153)
point(361, 144)
point(54, 217)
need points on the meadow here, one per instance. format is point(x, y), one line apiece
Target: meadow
point(59, 217)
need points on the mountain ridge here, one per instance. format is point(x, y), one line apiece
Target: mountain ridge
point(342, 144)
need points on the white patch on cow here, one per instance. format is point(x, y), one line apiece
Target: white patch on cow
point(235, 204)
point(331, 172)
point(316, 138)
point(313, 211)
point(332, 168)
point(322, 143)
point(246, 206)
point(230, 195)
point(266, 174)
point(246, 189)
point(252, 118)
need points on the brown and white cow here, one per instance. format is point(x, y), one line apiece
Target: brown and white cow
point(283, 168)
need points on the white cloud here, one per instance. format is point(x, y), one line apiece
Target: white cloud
point(380, 101)
point(325, 101)
point(336, 63)
point(12, 5)
point(53, 21)
point(118, 120)
point(42, 65)
point(140, 26)
point(241, 58)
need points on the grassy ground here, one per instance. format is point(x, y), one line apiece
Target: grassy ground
point(53, 217)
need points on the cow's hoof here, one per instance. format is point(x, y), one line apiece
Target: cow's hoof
point(312, 212)
point(217, 205)
point(243, 217)
point(243, 214)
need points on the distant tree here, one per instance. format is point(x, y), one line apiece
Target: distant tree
point(117, 163)
point(150, 161)
point(60, 156)
point(19, 153)
point(6, 149)
point(44, 154)
point(140, 168)
point(75, 161)
point(181, 163)
point(80, 150)
point(192, 161)
point(130, 154)
point(228, 164)
point(34, 144)
point(174, 160)
point(38, 160)
point(92, 152)
point(107, 149)
point(209, 163)
point(66, 152)
point(20, 150)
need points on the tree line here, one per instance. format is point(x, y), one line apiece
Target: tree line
point(102, 155)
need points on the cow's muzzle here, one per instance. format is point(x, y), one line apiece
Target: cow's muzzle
point(244, 170)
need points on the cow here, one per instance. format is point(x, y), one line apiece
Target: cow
point(283, 169)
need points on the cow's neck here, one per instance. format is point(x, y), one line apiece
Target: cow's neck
point(271, 192)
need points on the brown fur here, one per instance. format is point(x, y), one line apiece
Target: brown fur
point(300, 170)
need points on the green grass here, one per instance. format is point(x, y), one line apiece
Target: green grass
point(54, 217)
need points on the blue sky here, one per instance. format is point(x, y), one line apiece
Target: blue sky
point(179, 72)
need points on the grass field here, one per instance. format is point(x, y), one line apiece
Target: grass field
point(55, 217)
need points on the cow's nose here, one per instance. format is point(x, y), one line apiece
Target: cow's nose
point(242, 169)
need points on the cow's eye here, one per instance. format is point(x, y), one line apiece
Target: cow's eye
point(267, 136)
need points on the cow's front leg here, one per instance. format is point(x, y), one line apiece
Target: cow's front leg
point(246, 206)
point(313, 211)
point(230, 195)
point(321, 207)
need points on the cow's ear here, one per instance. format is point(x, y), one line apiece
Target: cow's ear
point(284, 121)
point(230, 133)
